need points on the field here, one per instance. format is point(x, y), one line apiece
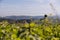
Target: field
point(41, 30)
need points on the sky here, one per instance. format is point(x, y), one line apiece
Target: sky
point(28, 7)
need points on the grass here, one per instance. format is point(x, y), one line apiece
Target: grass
point(45, 30)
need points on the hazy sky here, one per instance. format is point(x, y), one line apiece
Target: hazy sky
point(27, 7)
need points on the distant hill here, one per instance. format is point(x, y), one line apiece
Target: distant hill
point(23, 17)
point(12, 19)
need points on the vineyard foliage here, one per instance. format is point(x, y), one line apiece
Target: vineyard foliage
point(44, 30)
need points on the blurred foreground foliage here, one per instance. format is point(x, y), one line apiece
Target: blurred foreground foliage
point(45, 30)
